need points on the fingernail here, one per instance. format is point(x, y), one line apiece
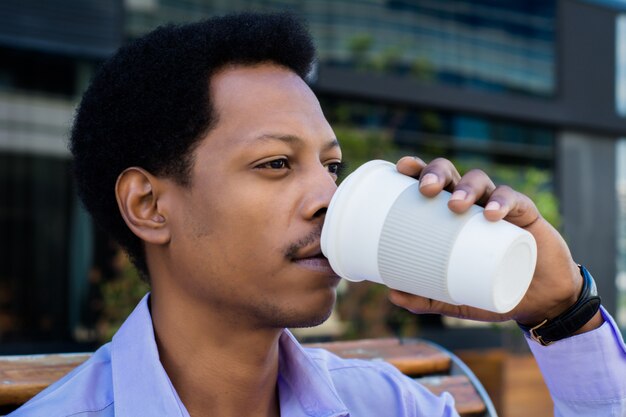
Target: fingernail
point(493, 205)
point(428, 179)
point(458, 195)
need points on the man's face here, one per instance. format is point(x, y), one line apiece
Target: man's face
point(245, 234)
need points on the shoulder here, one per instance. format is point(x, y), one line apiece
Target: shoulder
point(376, 383)
point(87, 391)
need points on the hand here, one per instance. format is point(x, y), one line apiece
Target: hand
point(556, 283)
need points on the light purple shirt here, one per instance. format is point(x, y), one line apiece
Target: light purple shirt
point(586, 375)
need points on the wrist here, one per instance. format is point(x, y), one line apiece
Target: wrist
point(571, 274)
point(580, 317)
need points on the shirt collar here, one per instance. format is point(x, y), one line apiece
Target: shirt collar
point(305, 384)
point(141, 385)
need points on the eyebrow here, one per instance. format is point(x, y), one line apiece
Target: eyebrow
point(296, 140)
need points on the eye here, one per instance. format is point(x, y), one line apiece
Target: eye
point(336, 168)
point(276, 164)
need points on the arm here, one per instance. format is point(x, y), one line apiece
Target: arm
point(555, 287)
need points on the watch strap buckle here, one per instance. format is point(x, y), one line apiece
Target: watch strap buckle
point(536, 337)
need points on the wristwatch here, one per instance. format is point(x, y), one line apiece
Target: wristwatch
point(575, 317)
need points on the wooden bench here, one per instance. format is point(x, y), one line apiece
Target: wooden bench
point(22, 377)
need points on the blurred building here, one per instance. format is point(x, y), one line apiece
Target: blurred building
point(524, 84)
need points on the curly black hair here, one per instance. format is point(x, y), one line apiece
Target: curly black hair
point(149, 105)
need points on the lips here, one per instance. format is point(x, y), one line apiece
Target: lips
point(319, 264)
point(312, 258)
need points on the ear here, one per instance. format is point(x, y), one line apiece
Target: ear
point(137, 193)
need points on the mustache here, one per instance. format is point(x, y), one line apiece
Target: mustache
point(292, 250)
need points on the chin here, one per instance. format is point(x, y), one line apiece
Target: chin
point(311, 320)
point(305, 314)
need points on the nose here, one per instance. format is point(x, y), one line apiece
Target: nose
point(318, 191)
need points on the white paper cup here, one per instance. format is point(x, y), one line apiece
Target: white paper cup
point(380, 228)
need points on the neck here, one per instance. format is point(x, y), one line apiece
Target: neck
point(218, 366)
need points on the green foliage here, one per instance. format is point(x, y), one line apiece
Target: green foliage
point(431, 122)
point(364, 57)
point(120, 296)
point(536, 183)
point(359, 46)
point(423, 69)
point(389, 58)
point(360, 145)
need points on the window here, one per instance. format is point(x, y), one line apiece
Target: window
point(34, 220)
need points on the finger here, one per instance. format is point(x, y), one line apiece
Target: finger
point(422, 305)
point(439, 174)
point(411, 166)
point(414, 303)
point(512, 206)
point(475, 187)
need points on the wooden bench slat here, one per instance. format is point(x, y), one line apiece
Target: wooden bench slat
point(466, 398)
point(412, 359)
point(22, 377)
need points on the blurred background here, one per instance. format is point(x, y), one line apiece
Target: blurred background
point(533, 92)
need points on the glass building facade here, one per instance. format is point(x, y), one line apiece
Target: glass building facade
point(485, 44)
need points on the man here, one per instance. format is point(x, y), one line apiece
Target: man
point(205, 154)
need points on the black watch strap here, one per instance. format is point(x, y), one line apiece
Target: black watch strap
point(575, 317)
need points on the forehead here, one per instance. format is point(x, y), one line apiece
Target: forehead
point(241, 84)
point(265, 96)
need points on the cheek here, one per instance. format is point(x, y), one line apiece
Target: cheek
point(257, 233)
point(240, 231)
point(258, 211)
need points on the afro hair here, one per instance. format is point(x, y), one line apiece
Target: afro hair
point(149, 105)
